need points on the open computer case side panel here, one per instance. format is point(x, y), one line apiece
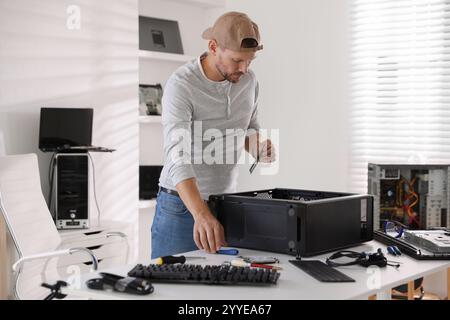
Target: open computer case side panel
point(305, 226)
point(417, 196)
point(336, 224)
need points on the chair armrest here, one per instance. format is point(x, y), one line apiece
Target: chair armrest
point(123, 236)
point(17, 265)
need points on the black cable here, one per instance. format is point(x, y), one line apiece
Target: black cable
point(50, 167)
point(95, 193)
point(360, 258)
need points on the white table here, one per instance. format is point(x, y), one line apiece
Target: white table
point(292, 284)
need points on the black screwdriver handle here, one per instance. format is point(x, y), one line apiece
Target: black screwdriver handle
point(171, 260)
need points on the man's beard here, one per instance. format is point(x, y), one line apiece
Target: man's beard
point(231, 77)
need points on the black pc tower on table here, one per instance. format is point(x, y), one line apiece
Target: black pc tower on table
point(72, 190)
point(67, 132)
point(296, 222)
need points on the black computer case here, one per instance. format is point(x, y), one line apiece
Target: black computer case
point(72, 191)
point(295, 222)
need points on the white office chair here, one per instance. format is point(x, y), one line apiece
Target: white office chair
point(31, 227)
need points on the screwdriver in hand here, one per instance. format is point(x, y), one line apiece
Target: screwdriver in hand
point(174, 260)
point(252, 168)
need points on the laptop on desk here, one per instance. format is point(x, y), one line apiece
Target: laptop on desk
point(67, 129)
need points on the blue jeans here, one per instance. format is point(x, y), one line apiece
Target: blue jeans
point(172, 228)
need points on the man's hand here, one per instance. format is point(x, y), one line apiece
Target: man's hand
point(267, 152)
point(264, 151)
point(208, 233)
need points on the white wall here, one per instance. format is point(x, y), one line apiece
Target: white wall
point(304, 93)
point(45, 64)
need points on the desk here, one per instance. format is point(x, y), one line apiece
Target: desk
point(292, 284)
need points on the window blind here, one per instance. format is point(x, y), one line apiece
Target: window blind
point(400, 84)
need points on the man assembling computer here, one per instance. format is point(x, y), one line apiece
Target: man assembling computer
point(206, 102)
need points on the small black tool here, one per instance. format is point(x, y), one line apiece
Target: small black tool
point(55, 290)
point(252, 168)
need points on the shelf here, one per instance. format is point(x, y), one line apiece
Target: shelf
point(144, 204)
point(150, 119)
point(172, 57)
point(208, 4)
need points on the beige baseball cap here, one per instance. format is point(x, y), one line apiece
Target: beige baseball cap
point(231, 29)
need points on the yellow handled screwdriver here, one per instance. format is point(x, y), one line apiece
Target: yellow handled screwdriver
point(174, 260)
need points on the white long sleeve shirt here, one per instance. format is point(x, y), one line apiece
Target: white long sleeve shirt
point(213, 118)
